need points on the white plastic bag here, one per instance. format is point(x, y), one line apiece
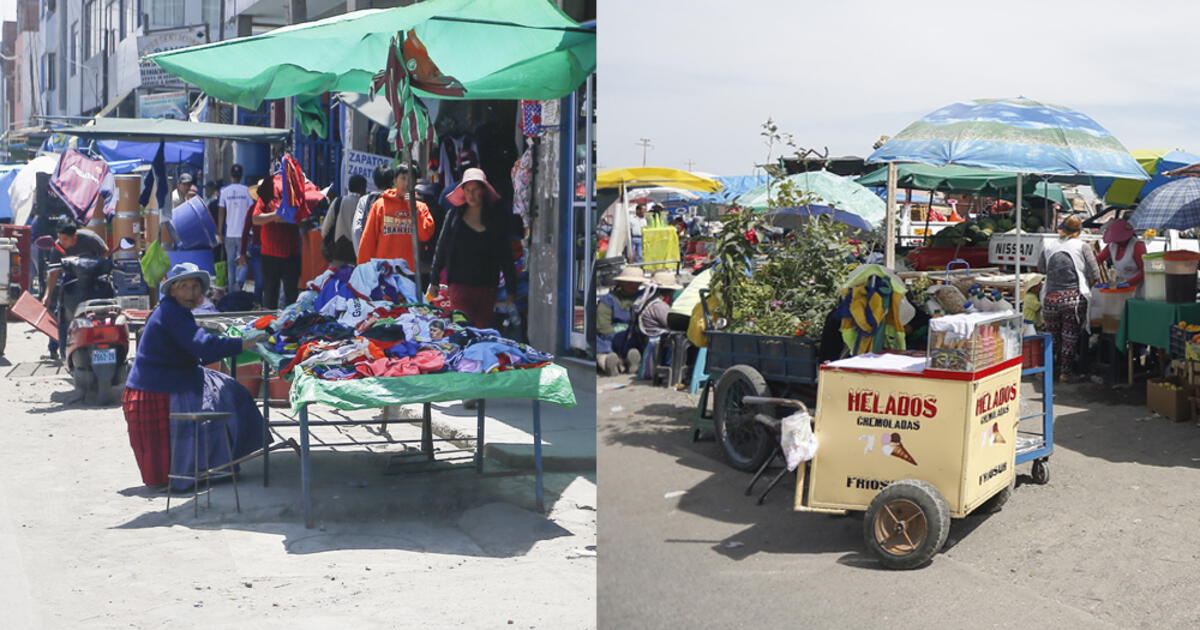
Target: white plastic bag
point(799, 443)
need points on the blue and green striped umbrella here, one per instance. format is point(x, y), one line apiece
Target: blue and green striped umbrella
point(1016, 134)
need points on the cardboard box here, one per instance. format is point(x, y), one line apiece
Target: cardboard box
point(1172, 403)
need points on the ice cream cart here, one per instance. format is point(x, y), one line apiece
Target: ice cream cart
point(917, 440)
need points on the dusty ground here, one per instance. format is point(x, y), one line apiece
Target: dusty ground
point(1110, 542)
point(83, 545)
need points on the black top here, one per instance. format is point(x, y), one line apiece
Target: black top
point(88, 244)
point(475, 258)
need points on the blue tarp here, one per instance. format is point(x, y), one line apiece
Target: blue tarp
point(190, 152)
point(734, 186)
point(6, 179)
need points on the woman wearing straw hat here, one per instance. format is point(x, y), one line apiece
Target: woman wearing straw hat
point(1070, 268)
point(167, 376)
point(474, 250)
point(616, 344)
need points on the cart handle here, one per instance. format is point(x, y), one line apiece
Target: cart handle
point(781, 402)
point(960, 261)
point(708, 324)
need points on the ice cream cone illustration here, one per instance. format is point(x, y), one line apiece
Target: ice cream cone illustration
point(996, 437)
point(896, 449)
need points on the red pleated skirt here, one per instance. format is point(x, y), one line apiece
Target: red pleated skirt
point(148, 415)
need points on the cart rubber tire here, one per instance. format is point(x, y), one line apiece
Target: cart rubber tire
point(751, 442)
point(996, 503)
point(1041, 472)
point(3, 328)
point(906, 524)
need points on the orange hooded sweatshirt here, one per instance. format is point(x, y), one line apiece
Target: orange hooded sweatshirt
point(388, 231)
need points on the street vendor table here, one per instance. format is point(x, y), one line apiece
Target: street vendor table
point(1149, 323)
point(545, 384)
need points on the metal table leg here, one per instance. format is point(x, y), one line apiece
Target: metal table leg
point(539, 489)
point(427, 430)
point(266, 414)
point(479, 414)
point(305, 469)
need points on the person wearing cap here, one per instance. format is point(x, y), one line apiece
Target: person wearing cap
point(1124, 251)
point(1070, 269)
point(167, 376)
point(615, 338)
point(388, 230)
point(71, 241)
point(474, 250)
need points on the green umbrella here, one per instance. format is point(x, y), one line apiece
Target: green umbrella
point(498, 49)
point(830, 190)
point(962, 180)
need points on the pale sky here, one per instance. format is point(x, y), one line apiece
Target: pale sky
point(698, 77)
point(8, 10)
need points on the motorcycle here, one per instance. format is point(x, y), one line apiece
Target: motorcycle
point(97, 338)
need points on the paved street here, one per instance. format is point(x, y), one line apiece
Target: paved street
point(1110, 542)
point(84, 545)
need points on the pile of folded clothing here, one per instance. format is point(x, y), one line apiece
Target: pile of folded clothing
point(356, 322)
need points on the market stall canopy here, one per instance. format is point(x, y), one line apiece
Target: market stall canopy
point(375, 108)
point(732, 187)
point(498, 49)
point(190, 152)
point(660, 194)
point(154, 130)
point(1018, 135)
point(793, 218)
point(961, 180)
point(655, 176)
point(1156, 163)
point(21, 190)
point(1174, 206)
point(832, 190)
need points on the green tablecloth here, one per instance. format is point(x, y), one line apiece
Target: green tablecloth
point(547, 384)
point(1149, 323)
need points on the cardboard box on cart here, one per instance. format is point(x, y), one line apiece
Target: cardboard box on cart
point(955, 430)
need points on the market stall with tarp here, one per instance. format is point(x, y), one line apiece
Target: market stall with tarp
point(1156, 163)
point(876, 412)
point(828, 189)
point(456, 49)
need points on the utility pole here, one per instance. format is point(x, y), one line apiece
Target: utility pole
point(690, 164)
point(645, 144)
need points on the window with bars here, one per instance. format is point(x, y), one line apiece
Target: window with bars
point(73, 60)
point(50, 73)
point(93, 28)
point(164, 13)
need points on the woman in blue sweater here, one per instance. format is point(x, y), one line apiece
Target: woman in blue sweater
point(167, 376)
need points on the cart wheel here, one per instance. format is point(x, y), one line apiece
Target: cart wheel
point(994, 504)
point(906, 524)
point(745, 442)
point(1041, 472)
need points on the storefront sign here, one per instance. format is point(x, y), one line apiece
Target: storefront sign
point(159, 41)
point(361, 163)
point(171, 105)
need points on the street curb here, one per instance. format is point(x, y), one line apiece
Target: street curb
point(517, 455)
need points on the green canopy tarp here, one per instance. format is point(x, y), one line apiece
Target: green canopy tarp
point(153, 130)
point(548, 384)
point(499, 49)
point(829, 189)
point(962, 180)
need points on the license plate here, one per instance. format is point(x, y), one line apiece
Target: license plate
point(104, 355)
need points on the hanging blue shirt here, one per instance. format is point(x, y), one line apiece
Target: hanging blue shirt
point(172, 349)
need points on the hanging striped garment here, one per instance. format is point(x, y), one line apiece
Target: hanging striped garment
point(78, 181)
